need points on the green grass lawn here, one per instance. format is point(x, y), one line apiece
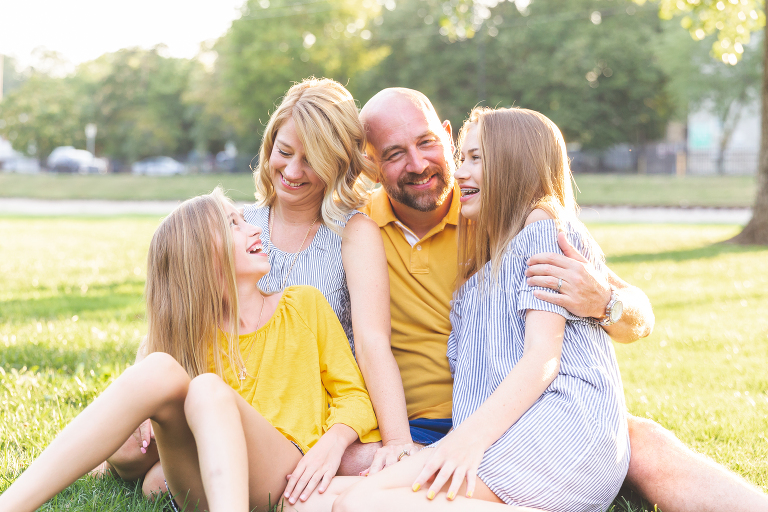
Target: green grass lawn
point(71, 315)
point(596, 189)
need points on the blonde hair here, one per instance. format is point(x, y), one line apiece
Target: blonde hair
point(327, 124)
point(525, 167)
point(190, 291)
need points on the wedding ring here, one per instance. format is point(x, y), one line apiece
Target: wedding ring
point(404, 453)
point(559, 284)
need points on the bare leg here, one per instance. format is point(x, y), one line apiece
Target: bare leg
point(154, 482)
point(156, 388)
point(128, 461)
point(268, 454)
point(670, 475)
point(391, 490)
point(357, 457)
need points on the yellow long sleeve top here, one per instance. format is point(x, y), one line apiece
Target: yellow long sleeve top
point(301, 375)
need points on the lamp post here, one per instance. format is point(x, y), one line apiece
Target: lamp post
point(90, 138)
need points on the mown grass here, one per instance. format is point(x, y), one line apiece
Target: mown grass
point(124, 187)
point(71, 315)
point(664, 190)
point(596, 189)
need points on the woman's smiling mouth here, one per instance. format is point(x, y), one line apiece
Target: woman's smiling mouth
point(290, 184)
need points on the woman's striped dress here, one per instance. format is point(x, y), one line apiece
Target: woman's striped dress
point(570, 450)
point(318, 265)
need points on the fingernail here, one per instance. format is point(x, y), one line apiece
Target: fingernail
point(416, 487)
point(145, 444)
point(451, 495)
point(430, 495)
point(143, 450)
point(303, 497)
point(469, 494)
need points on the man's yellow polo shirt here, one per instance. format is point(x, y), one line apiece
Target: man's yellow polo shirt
point(421, 281)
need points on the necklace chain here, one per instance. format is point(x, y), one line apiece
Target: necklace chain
point(295, 256)
point(243, 371)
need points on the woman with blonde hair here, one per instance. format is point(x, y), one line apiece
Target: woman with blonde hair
point(311, 177)
point(229, 420)
point(310, 180)
point(538, 405)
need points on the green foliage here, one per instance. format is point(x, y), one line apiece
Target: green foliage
point(732, 21)
point(588, 67)
point(277, 43)
point(12, 77)
point(696, 80)
point(43, 113)
point(137, 103)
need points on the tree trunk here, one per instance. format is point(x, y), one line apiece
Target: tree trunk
point(756, 231)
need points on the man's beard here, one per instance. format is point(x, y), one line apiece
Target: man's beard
point(422, 200)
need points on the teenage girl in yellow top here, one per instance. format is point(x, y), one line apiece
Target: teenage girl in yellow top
point(298, 402)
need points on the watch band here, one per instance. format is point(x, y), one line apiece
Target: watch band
point(607, 319)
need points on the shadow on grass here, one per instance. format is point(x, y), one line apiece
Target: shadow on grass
point(630, 501)
point(709, 251)
point(99, 298)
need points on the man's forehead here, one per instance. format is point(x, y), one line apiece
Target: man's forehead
point(399, 118)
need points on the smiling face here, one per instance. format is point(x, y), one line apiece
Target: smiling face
point(410, 149)
point(470, 174)
point(250, 258)
point(292, 177)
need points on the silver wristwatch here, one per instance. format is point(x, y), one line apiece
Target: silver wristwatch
point(613, 310)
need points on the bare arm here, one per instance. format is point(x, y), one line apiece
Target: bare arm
point(584, 292)
point(365, 264)
point(461, 451)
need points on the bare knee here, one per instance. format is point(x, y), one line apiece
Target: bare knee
point(361, 496)
point(357, 457)
point(205, 392)
point(162, 373)
point(651, 444)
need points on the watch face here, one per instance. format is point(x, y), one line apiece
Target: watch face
point(616, 311)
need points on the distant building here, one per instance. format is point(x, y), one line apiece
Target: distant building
point(705, 132)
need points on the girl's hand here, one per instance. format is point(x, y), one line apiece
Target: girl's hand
point(458, 454)
point(388, 455)
point(320, 464)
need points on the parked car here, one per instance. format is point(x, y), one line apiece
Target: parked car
point(71, 160)
point(158, 166)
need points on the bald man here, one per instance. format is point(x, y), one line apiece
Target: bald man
point(417, 212)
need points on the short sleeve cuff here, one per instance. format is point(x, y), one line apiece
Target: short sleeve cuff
point(526, 301)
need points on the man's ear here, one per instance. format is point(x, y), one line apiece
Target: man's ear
point(449, 131)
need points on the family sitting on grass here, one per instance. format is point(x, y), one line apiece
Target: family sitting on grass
point(442, 343)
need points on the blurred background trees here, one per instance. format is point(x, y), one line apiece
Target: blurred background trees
point(606, 71)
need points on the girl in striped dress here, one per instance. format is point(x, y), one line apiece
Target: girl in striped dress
point(538, 408)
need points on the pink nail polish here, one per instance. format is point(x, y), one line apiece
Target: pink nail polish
point(145, 444)
point(143, 450)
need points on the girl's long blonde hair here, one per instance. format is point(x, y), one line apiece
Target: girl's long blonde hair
point(525, 166)
point(327, 124)
point(190, 290)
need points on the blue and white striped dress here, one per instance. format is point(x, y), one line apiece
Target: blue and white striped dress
point(318, 265)
point(570, 450)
